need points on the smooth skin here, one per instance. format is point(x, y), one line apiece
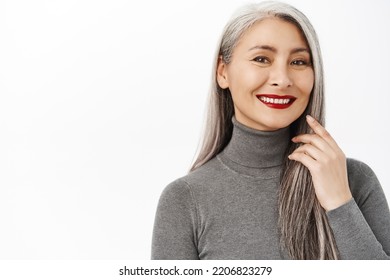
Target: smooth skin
point(272, 57)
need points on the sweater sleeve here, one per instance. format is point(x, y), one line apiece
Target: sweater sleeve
point(362, 226)
point(174, 234)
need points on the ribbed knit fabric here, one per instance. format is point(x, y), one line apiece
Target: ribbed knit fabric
point(227, 208)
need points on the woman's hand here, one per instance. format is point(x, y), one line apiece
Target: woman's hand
point(327, 165)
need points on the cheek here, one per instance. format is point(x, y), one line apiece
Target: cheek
point(245, 79)
point(305, 83)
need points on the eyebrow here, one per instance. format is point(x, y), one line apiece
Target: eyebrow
point(272, 49)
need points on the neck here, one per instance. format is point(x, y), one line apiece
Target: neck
point(254, 149)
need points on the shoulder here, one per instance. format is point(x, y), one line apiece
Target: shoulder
point(362, 180)
point(198, 180)
point(176, 191)
point(207, 174)
point(176, 200)
point(359, 168)
point(360, 173)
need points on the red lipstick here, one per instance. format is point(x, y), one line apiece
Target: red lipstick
point(276, 101)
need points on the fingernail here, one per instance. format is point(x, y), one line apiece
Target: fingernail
point(310, 118)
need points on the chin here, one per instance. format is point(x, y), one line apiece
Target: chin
point(276, 127)
point(274, 124)
point(279, 121)
point(269, 123)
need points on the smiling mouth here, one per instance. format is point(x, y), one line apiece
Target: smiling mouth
point(276, 101)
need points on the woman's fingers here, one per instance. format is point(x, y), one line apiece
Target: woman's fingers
point(309, 150)
point(304, 158)
point(312, 139)
point(326, 163)
point(321, 139)
point(321, 131)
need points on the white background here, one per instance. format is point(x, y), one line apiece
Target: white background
point(102, 103)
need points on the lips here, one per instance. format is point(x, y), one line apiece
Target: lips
point(276, 101)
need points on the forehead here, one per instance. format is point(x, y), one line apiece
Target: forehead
point(275, 32)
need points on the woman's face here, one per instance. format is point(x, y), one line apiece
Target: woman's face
point(270, 75)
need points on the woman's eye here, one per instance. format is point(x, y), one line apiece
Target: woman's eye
point(261, 59)
point(299, 62)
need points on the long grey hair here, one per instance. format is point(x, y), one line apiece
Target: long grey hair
point(304, 227)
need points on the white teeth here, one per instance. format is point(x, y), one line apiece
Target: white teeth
point(274, 100)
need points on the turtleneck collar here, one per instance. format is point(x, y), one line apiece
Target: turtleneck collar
point(250, 151)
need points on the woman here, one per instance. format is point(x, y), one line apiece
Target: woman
point(269, 181)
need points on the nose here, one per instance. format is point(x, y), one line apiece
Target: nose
point(279, 77)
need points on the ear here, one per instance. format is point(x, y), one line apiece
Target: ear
point(222, 77)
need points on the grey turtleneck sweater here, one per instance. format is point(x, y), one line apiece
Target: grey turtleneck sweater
point(227, 208)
